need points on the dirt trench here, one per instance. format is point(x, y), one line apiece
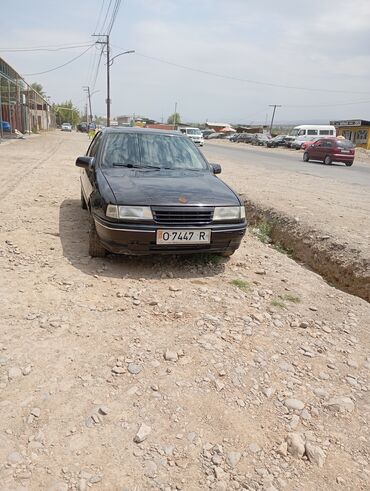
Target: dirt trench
point(338, 263)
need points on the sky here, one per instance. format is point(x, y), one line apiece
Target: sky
point(224, 61)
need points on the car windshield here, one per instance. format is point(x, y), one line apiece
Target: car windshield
point(151, 151)
point(294, 132)
point(193, 131)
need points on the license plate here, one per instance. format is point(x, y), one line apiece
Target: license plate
point(345, 151)
point(183, 236)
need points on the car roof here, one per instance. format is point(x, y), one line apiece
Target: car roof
point(149, 131)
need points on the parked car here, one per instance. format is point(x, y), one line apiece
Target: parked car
point(277, 141)
point(330, 150)
point(234, 137)
point(245, 138)
point(260, 139)
point(153, 192)
point(206, 133)
point(83, 127)
point(216, 135)
point(288, 141)
point(6, 127)
point(66, 127)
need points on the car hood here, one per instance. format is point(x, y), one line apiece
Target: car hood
point(165, 188)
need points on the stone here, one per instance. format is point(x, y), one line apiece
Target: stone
point(143, 433)
point(170, 355)
point(304, 325)
point(150, 468)
point(233, 458)
point(268, 392)
point(294, 404)
point(118, 370)
point(254, 448)
point(103, 410)
point(36, 411)
point(58, 486)
point(283, 449)
point(320, 392)
point(296, 446)
point(14, 372)
point(133, 368)
point(15, 458)
point(341, 404)
point(315, 454)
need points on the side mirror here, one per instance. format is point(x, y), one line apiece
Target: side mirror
point(85, 162)
point(216, 168)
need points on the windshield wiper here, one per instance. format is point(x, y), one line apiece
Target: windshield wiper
point(135, 166)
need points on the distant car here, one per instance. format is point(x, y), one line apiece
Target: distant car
point(245, 138)
point(6, 127)
point(83, 127)
point(194, 134)
point(330, 150)
point(66, 127)
point(277, 141)
point(215, 136)
point(234, 137)
point(288, 141)
point(206, 133)
point(153, 192)
point(260, 139)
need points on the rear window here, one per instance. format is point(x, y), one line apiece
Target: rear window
point(345, 144)
point(311, 132)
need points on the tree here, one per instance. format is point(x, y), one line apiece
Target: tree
point(66, 113)
point(38, 88)
point(175, 118)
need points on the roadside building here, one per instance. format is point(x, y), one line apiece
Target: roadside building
point(356, 130)
point(217, 127)
point(21, 107)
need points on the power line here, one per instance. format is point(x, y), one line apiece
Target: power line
point(254, 82)
point(45, 48)
point(106, 16)
point(114, 15)
point(329, 105)
point(60, 66)
point(99, 16)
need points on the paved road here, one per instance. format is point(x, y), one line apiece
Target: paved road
point(333, 199)
point(281, 159)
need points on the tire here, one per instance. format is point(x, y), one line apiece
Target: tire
point(83, 201)
point(327, 160)
point(348, 164)
point(306, 157)
point(95, 247)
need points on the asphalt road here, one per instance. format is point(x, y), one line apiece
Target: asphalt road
point(276, 160)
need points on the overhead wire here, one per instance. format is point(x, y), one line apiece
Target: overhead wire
point(45, 48)
point(249, 81)
point(60, 66)
point(99, 16)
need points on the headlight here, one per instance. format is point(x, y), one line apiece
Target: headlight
point(225, 213)
point(129, 212)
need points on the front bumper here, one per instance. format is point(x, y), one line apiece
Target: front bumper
point(139, 239)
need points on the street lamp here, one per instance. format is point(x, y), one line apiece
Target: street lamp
point(120, 54)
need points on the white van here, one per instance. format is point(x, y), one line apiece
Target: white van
point(308, 132)
point(194, 134)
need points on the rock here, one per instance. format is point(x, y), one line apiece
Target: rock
point(220, 474)
point(233, 458)
point(150, 468)
point(15, 458)
point(27, 370)
point(103, 410)
point(14, 372)
point(268, 392)
point(254, 448)
point(341, 404)
point(315, 454)
point(174, 288)
point(304, 325)
point(283, 449)
point(133, 368)
point(118, 370)
point(143, 433)
point(296, 446)
point(58, 486)
point(36, 411)
point(320, 392)
point(294, 404)
point(170, 355)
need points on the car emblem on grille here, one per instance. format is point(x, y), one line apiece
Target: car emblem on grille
point(183, 199)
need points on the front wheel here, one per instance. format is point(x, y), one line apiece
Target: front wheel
point(327, 160)
point(227, 253)
point(95, 247)
point(306, 157)
point(348, 164)
point(83, 201)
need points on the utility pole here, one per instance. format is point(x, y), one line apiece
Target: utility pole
point(273, 114)
point(175, 117)
point(87, 89)
point(106, 43)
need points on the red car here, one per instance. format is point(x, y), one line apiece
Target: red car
point(330, 150)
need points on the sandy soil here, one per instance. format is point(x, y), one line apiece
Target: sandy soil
point(166, 373)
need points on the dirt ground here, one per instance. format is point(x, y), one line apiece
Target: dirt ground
point(169, 373)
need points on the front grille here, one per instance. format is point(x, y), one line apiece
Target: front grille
point(183, 215)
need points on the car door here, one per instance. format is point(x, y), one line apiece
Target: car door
point(87, 175)
point(316, 150)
